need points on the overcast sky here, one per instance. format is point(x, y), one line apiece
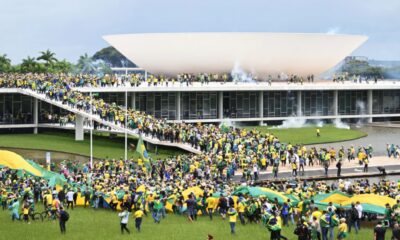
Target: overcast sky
point(71, 28)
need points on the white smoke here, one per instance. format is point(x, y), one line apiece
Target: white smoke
point(361, 110)
point(227, 123)
point(239, 75)
point(301, 122)
point(333, 31)
point(292, 123)
point(339, 124)
point(283, 76)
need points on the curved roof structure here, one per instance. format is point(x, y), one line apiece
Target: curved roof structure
point(258, 53)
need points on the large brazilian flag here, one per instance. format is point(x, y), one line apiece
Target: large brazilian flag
point(141, 149)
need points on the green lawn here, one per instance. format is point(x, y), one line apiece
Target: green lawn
point(307, 135)
point(103, 146)
point(103, 224)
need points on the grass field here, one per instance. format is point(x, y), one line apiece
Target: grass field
point(103, 224)
point(307, 135)
point(103, 146)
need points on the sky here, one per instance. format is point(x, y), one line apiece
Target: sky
point(71, 28)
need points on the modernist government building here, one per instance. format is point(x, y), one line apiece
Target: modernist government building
point(261, 54)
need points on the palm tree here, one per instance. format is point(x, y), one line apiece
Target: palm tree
point(29, 64)
point(85, 64)
point(5, 63)
point(48, 57)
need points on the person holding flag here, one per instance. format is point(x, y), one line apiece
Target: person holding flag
point(141, 149)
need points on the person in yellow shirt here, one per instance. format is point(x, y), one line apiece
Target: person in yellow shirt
point(342, 229)
point(138, 219)
point(114, 201)
point(241, 210)
point(49, 199)
point(232, 213)
point(25, 212)
point(210, 201)
point(55, 205)
point(149, 201)
point(316, 213)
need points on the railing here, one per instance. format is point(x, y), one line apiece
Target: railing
point(98, 119)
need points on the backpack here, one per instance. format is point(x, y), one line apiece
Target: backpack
point(65, 216)
point(354, 214)
point(272, 221)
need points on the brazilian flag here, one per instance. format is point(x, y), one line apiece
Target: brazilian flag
point(224, 128)
point(141, 149)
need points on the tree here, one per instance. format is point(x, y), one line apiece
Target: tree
point(61, 67)
point(85, 64)
point(48, 57)
point(362, 68)
point(29, 64)
point(113, 58)
point(5, 63)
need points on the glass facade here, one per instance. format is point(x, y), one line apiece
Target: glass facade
point(160, 105)
point(118, 98)
point(241, 104)
point(199, 105)
point(47, 109)
point(15, 109)
point(386, 101)
point(352, 102)
point(280, 103)
point(317, 103)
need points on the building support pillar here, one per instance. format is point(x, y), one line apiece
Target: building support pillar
point(299, 103)
point(35, 115)
point(261, 106)
point(79, 133)
point(335, 103)
point(178, 105)
point(220, 105)
point(369, 105)
point(133, 101)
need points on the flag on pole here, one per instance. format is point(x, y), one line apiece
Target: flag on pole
point(141, 149)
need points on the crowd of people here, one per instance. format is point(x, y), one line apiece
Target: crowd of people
point(224, 151)
point(129, 186)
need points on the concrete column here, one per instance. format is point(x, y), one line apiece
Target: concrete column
point(133, 101)
point(79, 133)
point(221, 105)
point(261, 105)
point(369, 105)
point(299, 103)
point(178, 106)
point(35, 115)
point(335, 103)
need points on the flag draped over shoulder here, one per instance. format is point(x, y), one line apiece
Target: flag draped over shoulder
point(141, 149)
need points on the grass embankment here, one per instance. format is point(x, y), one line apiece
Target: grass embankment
point(103, 146)
point(308, 135)
point(91, 224)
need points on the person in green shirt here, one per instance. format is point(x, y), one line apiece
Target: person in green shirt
point(14, 207)
point(274, 226)
point(157, 207)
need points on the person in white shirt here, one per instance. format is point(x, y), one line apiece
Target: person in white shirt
point(360, 212)
point(70, 199)
point(124, 221)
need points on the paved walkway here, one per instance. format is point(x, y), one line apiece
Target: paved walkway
point(348, 168)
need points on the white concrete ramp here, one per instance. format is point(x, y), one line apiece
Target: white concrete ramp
point(97, 118)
